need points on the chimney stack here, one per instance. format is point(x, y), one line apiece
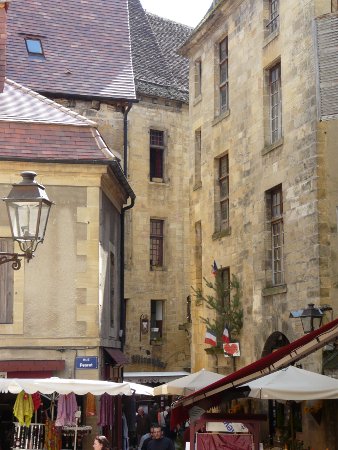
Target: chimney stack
point(3, 39)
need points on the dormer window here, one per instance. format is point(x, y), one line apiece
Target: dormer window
point(34, 46)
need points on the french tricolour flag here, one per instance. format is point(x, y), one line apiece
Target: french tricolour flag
point(225, 336)
point(210, 338)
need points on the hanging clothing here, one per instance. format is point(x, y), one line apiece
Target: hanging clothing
point(90, 405)
point(106, 411)
point(67, 408)
point(36, 400)
point(23, 408)
point(53, 436)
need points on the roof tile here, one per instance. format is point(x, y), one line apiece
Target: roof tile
point(86, 45)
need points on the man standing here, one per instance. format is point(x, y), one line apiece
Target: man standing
point(142, 423)
point(160, 442)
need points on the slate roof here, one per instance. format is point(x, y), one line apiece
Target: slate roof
point(35, 128)
point(158, 70)
point(86, 46)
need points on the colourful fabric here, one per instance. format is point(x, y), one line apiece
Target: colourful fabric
point(23, 408)
point(53, 436)
point(90, 405)
point(67, 408)
point(36, 400)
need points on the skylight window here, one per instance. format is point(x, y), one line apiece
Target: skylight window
point(34, 46)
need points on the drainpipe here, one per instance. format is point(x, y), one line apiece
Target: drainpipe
point(132, 203)
point(125, 138)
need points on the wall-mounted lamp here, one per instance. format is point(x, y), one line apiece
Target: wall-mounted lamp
point(28, 209)
point(144, 325)
point(311, 317)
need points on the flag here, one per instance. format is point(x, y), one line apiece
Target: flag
point(214, 268)
point(225, 336)
point(210, 338)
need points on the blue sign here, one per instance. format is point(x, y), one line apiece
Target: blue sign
point(86, 362)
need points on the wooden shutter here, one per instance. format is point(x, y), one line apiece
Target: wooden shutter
point(6, 284)
point(326, 36)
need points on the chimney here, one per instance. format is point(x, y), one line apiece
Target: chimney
point(3, 39)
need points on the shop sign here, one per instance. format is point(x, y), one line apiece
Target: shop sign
point(86, 362)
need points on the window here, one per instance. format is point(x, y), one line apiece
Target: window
point(224, 276)
point(273, 15)
point(198, 77)
point(198, 156)
point(112, 282)
point(156, 320)
point(6, 284)
point(224, 191)
point(156, 155)
point(275, 212)
point(34, 46)
point(223, 76)
point(275, 93)
point(156, 243)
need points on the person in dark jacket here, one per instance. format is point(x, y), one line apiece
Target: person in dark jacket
point(142, 423)
point(160, 442)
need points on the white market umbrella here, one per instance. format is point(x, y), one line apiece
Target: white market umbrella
point(63, 386)
point(141, 389)
point(188, 384)
point(294, 384)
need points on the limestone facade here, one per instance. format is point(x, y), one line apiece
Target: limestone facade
point(294, 160)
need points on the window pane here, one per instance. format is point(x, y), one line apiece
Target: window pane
point(224, 166)
point(223, 72)
point(34, 46)
point(224, 188)
point(275, 104)
point(274, 14)
point(156, 242)
point(156, 163)
point(224, 98)
point(157, 137)
point(223, 49)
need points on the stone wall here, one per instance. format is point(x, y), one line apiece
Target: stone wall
point(255, 167)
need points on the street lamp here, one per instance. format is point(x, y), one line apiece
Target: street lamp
point(311, 317)
point(28, 209)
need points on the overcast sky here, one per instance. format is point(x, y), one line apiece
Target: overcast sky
point(189, 12)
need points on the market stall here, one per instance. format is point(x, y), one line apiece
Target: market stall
point(62, 425)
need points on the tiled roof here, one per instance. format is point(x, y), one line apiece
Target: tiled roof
point(33, 127)
point(158, 70)
point(170, 36)
point(86, 46)
point(21, 104)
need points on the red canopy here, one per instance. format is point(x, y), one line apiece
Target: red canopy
point(215, 393)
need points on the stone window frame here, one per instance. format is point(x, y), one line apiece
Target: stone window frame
point(197, 158)
point(221, 111)
point(222, 227)
point(197, 79)
point(158, 149)
point(273, 106)
point(156, 243)
point(275, 265)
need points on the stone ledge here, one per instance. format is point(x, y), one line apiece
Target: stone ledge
point(197, 100)
point(269, 148)
point(222, 233)
point(270, 37)
point(274, 290)
point(220, 117)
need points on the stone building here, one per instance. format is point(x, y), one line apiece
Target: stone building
point(95, 74)
point(263, 177)
point(157, 241)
